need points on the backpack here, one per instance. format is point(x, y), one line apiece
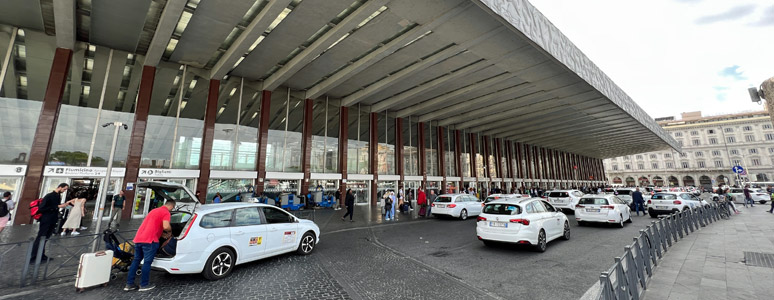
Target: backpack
point(388, 201)
point(35, 209)
point(4, 209)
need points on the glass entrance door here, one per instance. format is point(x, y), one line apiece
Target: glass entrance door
point(361, 189)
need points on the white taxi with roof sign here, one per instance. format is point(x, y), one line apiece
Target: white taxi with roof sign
point(603, 208)
point(527, 221)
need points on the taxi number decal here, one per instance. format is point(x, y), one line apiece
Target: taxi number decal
point(255, 241)
point(289, 237)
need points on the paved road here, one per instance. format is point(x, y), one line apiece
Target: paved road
point(425, 259)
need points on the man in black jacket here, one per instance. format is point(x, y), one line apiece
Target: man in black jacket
point(639, 202)
point(49, 213)
point(350, 202)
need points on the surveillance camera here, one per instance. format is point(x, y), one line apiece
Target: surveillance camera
point(755, 96)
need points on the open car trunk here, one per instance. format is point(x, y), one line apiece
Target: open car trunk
point(178, 221)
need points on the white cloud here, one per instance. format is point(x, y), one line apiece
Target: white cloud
point(667, 56)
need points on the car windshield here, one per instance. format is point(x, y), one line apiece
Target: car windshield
point(443, 199)
point(593, 201)
point(664, 197)
point(493, 198)
point(624, 192)
point(558, 194)
point(502, 209)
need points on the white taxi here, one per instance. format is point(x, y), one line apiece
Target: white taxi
point(494, 197)
point(672, 202)
point(758, 195)
point(216, 237)
point(456, 205)
point(602, 208)
point(564, 199)
point(526, 221)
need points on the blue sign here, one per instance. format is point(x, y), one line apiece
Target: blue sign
point(738, 169)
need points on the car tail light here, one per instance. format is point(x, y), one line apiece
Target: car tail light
point(677, 202)
point(608, 206)
point(451, 206)
point(188, 227)
point(433, 204)
point(649, 202)
point(579, 206)
point(480, 219)
point(524, 222)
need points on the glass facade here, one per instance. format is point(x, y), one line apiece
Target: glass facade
point(173, 137)
point(325, 137)
point(235, 143)
point(431, 149)
point(480, 166)
point(386, 138)
point(283, 150)
point(358, 141)
point(410, 152)
point(449, 147)
point(465, 156)
point(492, 154)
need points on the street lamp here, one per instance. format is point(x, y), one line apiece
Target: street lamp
point(106, 183)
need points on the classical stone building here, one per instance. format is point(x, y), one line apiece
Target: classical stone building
point(711, 146)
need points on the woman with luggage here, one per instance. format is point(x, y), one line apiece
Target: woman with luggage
point(76, 213)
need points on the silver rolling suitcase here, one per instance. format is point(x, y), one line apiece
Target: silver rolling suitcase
point(94, 269)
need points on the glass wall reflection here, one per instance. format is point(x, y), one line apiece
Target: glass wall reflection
point(358, 141)
point(386, 138)
point(325, 136)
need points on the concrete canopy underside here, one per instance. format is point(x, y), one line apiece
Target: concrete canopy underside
point(496, 67)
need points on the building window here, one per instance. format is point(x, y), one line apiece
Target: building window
point(678, 134)
point(685, 165)
point(694, 132)
point(749, 138)
point(653, 156)
point(728, 129)
point(701, 164)
point(769, 136)
point(640, 166)
point(756, 162)
point(654, 165)
point(766, 126)
point(718, 164)
point(683, 154)
point(747, 128)
point(615, 167)
point(771, 150)
point(734, 152)
point(667, 155)
point(627, 166)
point(715, 152)
point(713, 141)
point(639, 157)
point(737, 162)
point(696, 142)
point(731, 139)
point(628, 157)
point(680, 142)
point(753, 151)
point(711, 131)
point(699, 154)
point(669, 165)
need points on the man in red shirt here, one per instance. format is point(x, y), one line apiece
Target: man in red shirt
point(146, 243)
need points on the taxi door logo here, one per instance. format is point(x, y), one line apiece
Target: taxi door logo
point(255, 241)
point(289, 237)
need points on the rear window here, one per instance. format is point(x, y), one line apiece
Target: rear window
point(624, 192)
point(593, 201)
point(664, 197)
point(443, 199)
point(502, 209)
point(558, 195)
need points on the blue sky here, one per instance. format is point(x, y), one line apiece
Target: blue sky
point(673, 56)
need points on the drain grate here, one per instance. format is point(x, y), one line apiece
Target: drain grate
point(759, 259)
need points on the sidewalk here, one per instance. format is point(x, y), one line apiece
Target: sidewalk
point(729, 259)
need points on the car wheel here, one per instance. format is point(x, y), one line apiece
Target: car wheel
point(621, 222)
point(463, 214)
point(715, 199)
point(541, 244)
point(220, 264)
point(762, 201)
point(566, 235)
point(307, 243)
point(653, 215)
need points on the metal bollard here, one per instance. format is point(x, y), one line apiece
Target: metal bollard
point(621, 280)
point(607, 287)
point(631, 273)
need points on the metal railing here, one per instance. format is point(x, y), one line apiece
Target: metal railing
point(629, 276)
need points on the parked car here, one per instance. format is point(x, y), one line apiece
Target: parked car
point(758, 195)
point(456, 205)
point(603, 209)
point(526, 221)
point(494, 197)
point(671, 202)
point(212, 239)
point(564, 199)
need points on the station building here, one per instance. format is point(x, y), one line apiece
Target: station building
point(279, 96)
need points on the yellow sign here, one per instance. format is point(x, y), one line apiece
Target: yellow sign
point(255, 241)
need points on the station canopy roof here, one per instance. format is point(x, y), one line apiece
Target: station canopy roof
point(495, 67)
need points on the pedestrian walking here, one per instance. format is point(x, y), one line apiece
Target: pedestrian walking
point(389, 211)
point(430, 200)
point(771, 198)
point(639, 202)
point(146, 243)
point(350, 203)
point(6, 207)
point(422, 202)
point(747, 196)
point(118, 208)
point(76, 214)
point(338, 199)
point(49, 213)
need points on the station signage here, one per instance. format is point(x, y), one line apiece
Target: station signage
point(59, 171)
point(169, 173)
point(13, 170)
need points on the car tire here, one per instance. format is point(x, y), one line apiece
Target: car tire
point(307, 243)
point(621, 223)
point(653, 215)
point(488, 243)
point(566, 232)
point(541, 244)
point(762, 201)
point(220, 264)
point(464, 214)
